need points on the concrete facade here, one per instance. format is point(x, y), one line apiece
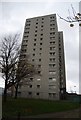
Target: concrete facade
point(44, 45)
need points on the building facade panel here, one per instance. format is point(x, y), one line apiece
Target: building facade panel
point(41, 44)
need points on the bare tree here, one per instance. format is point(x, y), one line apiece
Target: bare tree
point(9, 55)
point(16, 69)
point(75, 18)
point(24, 70)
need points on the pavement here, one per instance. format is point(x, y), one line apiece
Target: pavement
point(68, 114)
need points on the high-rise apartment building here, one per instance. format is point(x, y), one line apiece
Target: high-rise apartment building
point(44, 45)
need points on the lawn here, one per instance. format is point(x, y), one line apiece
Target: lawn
point(26, 107)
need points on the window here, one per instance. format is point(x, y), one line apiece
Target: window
point(41, 29)
point(34, 44)
point(41, 34)
point(27, 28)
point(50, 78)
point(42, 18)
point(36, 27)
point(30, 93)
point(24, 50)
point(35, 30)
point(41, 38)
point(52, 59)
point(40, 53)
point(51, 65)
point(54, 79)
point(59, 44)
point(28, 21)
point(38, 86)
point(41, 25)
point(39, 66)
point(30, 86)
point(23, 56)
point(51, 20)
point(31, 79)
point(52, 86)
point(37, 93)
point(52, 38)
point(26, 32)
point(24, 45)
point(52, 24)
point(33, 60)
point(52, 28)
point(27, 24)
point(33, 66)
point(39, 72)
point(52, 17)
point(59, 60)
point(59, 48)
point(34, 39)
point(40, 43)
point(34, 49)
point(52, 72)
point(33, 54)
point(52, 33)
point(35, 35)
point(38, 79)
point(52, 53)
point(52, 95)
point(36, 23)
point(52, 48)
point(25, 40)
point(26, 36)
point(39, 59)
point(40, 48)
point(52, 43)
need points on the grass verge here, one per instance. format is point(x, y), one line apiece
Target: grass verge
point(26, 107)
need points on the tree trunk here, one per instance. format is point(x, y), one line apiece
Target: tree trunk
point(16, 91)
point(5, 91)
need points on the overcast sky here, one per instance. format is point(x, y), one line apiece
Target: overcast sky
point(14, 14)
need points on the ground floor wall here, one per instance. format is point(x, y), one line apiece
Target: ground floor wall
point(41, 95)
